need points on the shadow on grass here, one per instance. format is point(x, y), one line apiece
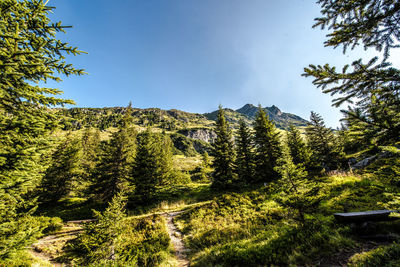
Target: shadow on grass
point(70, 209)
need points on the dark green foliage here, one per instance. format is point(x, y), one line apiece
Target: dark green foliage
point(224, 154)
point(30, 53)
point(115, 167)
point(101, 238)
point(64, 172)
point(322, 143)
point(298, 149)
point(292, 176)
point(245, 162)
point(268, 147)
point(28, 228)
point(118, 241)
point(90, 152)
point(372, 87)
point(152, 165)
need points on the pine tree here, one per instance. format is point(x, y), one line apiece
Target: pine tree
point(152, 164)
point(164, 155)
point(293, 176)
point(115, 167)
point(268, 147)
point(245, 163)
point(371, 88)
point(322, 143)
point(224, 154)
point(298, 149)
point(64, 171)
point(100, 240)
point(30, 53)
point(90, 144)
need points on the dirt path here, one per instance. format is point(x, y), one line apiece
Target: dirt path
point(176, 239)
point(49, 247)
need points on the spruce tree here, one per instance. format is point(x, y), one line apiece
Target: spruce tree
point(163, 145)
point(298, 149)
point(322, 143)
point(64, 172)
point(224, 154)
point(245, 163)
point(147, 170)
point(30, 53)
point(293, 178)
point(372, 86)
point(100, 241)
point(268, 147)
point(115, 167)
point(90, 144)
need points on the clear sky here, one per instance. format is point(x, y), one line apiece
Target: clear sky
point(196, 54)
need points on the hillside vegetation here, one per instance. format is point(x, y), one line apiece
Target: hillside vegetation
point(148, 187)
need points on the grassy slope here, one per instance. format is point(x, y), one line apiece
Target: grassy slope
point(252, 228)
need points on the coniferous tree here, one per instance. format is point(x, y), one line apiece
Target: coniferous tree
point(148, 169)
point(298, 149)
point(115, 167)
point(293, 176)
point(99, 243)
point(322, 143)
point(90, 144)
point(224, 154)
point(373, 87)
point(268, 147)
point(163, 145)
point(64, 172)
point(245, 162)
point(30, 53)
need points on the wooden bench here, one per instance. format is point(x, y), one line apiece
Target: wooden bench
point(365, 216)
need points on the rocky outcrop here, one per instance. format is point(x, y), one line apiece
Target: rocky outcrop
point(202, 134)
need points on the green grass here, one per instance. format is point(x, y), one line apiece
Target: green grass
point(256, 227)
point(382, 256)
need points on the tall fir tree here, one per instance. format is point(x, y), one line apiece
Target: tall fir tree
point(298, 149)
point(268, 146)
point(322, 143)
point(152, 165)
point(90, 143)
point(115, 167)
point(245, 161)
point(64, 172)
point(372, 88)
point(224, 154)
point(30, 53)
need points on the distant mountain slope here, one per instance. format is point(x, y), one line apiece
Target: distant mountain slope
point(249, 111)
point(170, 120)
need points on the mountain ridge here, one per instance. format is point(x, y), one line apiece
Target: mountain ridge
point(172, 119)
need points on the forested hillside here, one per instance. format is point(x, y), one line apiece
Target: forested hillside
point(150, 187)
point(103, 118)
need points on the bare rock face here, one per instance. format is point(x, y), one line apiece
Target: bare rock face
point(202, 134)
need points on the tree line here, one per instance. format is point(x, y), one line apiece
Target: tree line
point(253, 155)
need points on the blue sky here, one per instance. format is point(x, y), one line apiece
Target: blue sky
point(196, 54)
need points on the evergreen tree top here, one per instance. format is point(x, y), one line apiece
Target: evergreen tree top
point(374, 23)
point(30, 53)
